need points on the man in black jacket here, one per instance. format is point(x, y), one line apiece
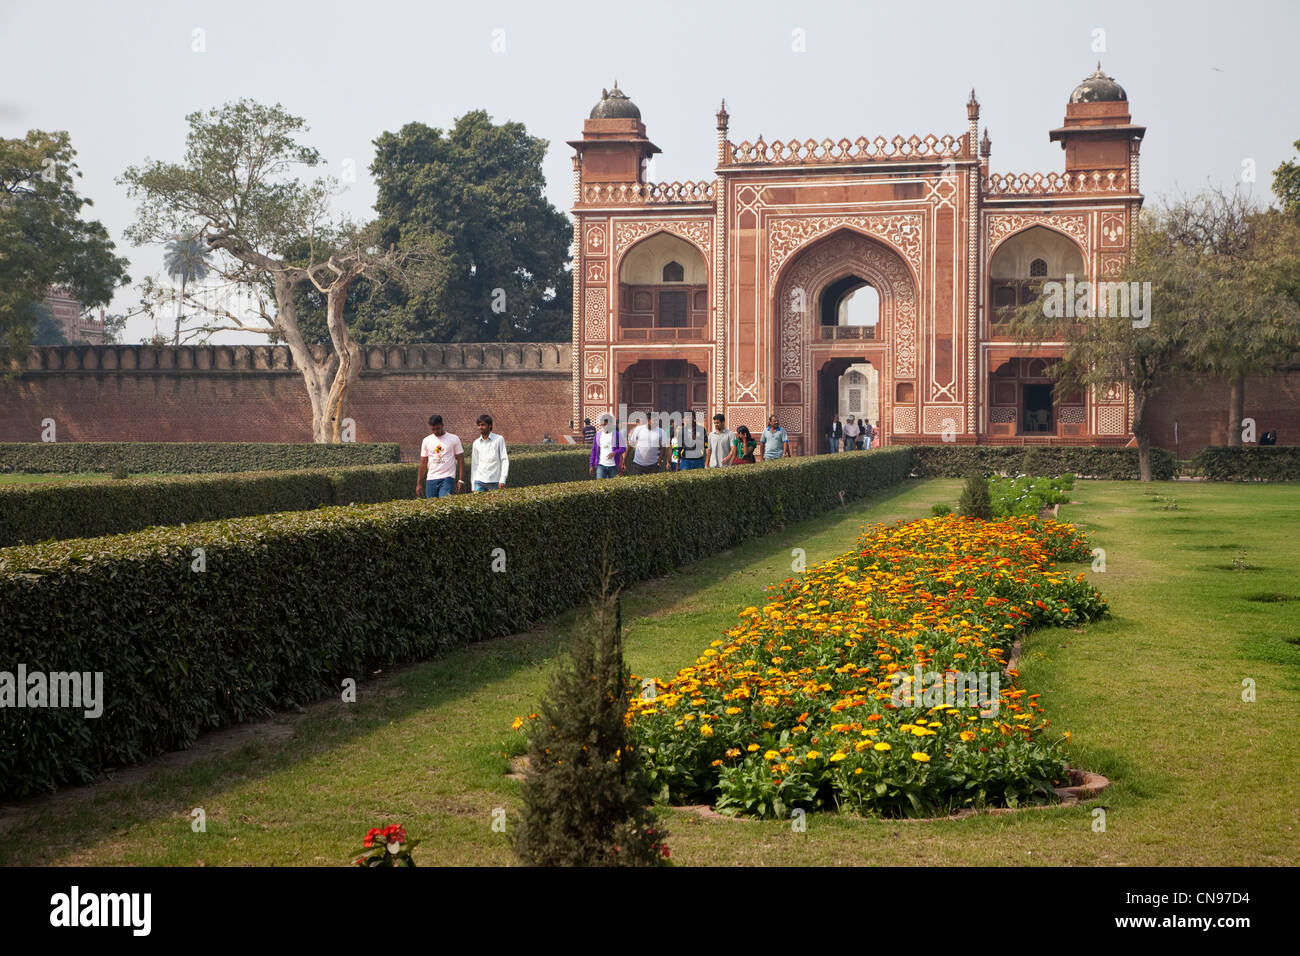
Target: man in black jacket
point(835, 434)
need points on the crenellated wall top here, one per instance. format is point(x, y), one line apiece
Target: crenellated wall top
point(460, 356)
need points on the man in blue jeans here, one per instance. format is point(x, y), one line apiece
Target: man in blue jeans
point(442, 462)
point(607, 449)
point(488, 462)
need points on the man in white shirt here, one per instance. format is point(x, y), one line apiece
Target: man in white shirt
point(442, 462)
point(489, 463)
point(850, 434)
point(607, 449)
point(721, 449)
point(649, 442)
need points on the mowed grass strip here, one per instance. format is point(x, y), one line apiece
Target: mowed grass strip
point(1153, 698)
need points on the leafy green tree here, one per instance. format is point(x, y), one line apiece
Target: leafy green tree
point(271, 235)
point(475, 194)
point(46, 330)
point(43, 239)
point(1239, 320)
point(586, 795)
point(186, 260)
point(1108, 350)
point(1286, 184)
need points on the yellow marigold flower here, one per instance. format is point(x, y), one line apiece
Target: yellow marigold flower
point(733, 752)
point(732, 711)
point(883, 746)
point(706, 730)
point(518, 722)
point(921, 757)
point(716, 763)
point(812, 755)
point(837, 756)
point(859, 770)
point(767, 725)
point(770, 755)
point(752, 747)
point(968, 735)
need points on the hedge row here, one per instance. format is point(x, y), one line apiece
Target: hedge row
point(957, 461)
point(88, 509)
point(290, 605)
point(188, 457)
point(1248, 463)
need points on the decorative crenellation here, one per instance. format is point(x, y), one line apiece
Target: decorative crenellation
point(1050, 184)
point(861, 150)
point(278, 358)
point(640, 194)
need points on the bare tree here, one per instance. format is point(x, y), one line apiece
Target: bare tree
point(238, 190)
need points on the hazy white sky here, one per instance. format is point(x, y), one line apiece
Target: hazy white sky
point(1214, 83)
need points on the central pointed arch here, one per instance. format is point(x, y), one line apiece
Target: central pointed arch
point(830, 269)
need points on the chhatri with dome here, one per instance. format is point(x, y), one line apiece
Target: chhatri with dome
point(865, 275)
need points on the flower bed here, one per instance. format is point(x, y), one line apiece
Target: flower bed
point(843, 691)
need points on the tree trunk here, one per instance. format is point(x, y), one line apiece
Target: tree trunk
point(1140, 433)
point(176, 339)
point(348, 353)
point(1236, 408)
point(316, 375)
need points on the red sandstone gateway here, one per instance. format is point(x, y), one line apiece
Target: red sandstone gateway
point(729, 295)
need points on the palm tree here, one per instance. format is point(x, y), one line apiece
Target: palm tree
point(186, 260)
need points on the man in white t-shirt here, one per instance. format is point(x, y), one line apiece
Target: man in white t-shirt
point(607, 449)
point(442, 462)
point(648, 442)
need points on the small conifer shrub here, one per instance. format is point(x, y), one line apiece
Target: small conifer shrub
point(975, 499)
point(586, 795)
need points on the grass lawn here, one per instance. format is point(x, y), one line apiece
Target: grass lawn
point(1152, 696)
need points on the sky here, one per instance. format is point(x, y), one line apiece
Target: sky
point(1214, 83)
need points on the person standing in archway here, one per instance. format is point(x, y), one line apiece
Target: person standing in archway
point(868, 434)
point(835, 434)
point(850, 434)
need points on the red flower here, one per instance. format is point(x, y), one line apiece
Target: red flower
point(665, 849)
point(370, 837)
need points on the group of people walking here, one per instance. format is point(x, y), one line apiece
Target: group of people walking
point(852, 435)
point(645, 449)
point(648, 448)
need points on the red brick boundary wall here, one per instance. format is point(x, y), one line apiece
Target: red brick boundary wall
point(254, 393)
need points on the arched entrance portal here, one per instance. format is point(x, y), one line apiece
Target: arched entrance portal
point(847, 302)
point(846, 386)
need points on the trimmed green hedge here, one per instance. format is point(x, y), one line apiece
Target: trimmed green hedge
point(1248, 463)
point(188, 457)
point(957, 461)
point(289, 605)
point(88, 509)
